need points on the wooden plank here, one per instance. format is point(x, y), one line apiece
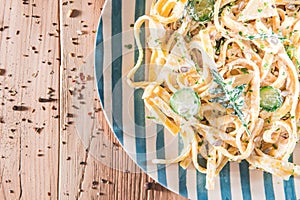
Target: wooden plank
point(73, 155)
point(29, 56)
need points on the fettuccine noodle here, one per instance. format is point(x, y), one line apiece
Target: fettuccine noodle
point(255, 43)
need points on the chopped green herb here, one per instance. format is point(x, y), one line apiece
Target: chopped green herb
point(189, 36)
point(266, 65)
point(245, 70)
point(290, 49)
point(250, 37)
point(197, 68)
point(219, 43)
point(150, 117)
point(259, 10)
point(199, 118)
point(246, 141)
point(128, 46)
point(200, 143)
point(274, 146)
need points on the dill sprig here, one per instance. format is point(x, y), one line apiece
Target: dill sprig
point(264, 36)
point(230, 98)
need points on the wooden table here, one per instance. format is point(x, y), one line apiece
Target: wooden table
point(42, 47)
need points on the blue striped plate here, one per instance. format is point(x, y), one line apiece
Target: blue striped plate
point(143, 140)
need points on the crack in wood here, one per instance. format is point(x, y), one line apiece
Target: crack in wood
point(1, 185)
point(87, 152)
point(20, 168)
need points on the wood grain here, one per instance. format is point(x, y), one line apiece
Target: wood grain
point(44, 153)
point(29, 132)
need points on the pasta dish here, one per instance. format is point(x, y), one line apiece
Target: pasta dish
point(224, 75)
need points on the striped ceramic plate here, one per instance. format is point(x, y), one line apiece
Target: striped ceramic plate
point(144, 140)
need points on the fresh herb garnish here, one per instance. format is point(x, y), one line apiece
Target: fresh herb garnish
point(290, 49)
point(200, 143)
point(245, 70)
point(264, 36)
point(128, 46)
point(275, 146)
point(150, 117)
point(230, 98)
point(219, 43)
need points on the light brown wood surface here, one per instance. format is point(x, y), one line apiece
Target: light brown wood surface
point(42, 155)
